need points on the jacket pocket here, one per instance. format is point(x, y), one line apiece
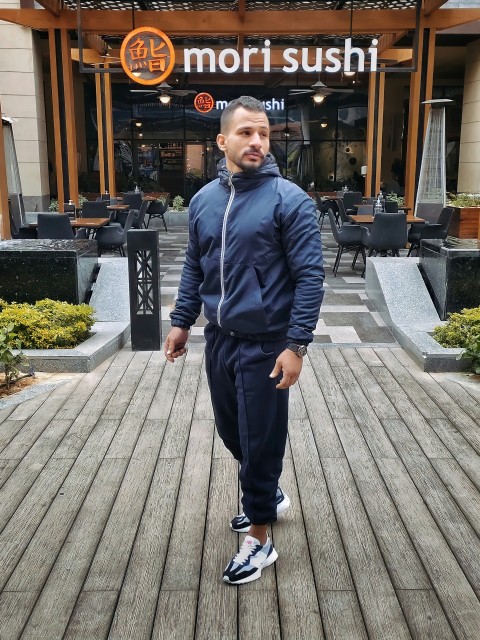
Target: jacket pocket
point(242, 308)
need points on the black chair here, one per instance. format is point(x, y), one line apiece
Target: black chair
point(92, 209)
point(134, 200)
point(138, 218)
point(342, 214)
point(422, 231)
point(157, 209)
point(322, 207)
point(54, 226)
point(348, 238)
point(391, 206)
point(388, 234)
point(114, 237)
point(350, 198)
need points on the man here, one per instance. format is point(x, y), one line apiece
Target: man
point(254, 260)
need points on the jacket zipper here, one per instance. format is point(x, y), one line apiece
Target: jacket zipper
point(222, 251)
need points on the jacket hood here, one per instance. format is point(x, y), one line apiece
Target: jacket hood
point(244, 181)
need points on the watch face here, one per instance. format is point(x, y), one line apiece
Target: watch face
point(302, 350)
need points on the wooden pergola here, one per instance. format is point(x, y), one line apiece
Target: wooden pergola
point(105, 22)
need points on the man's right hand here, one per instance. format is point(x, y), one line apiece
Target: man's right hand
point(175, 342)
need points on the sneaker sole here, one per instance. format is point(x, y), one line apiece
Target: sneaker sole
point(258, 573)
point(283, 506)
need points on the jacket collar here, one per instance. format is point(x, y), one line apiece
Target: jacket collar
point(244, 181)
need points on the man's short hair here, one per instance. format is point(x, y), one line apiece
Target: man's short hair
point(247, 102)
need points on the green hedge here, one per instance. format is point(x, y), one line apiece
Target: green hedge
point(48, 324)
point(460, 329)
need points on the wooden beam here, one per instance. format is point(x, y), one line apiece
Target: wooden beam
point(225, 23)
point(413, 121)
point(57, 135)
point(94, 42)
point(101, 155)
point(5, 232)
point(429, 78)
point(379, 123)
point(69, 98)
point(241, 8)
point(388, 40)
point(52, 6)
point(430, 6)
point(372, 83)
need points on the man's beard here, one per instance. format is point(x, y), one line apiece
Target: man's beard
point(249, 167)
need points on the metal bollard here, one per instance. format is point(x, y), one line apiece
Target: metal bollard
point(144, 289)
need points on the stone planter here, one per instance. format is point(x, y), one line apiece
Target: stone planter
point(465, 223)
point(175, 218)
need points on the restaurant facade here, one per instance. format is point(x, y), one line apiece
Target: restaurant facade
point(342, 83)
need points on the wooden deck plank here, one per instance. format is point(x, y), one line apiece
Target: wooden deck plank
point(179, 422)
point(8, 431)
point(92, 616)
point(111, 558)
point(258, 615)
point(297, 598)
point(404, 566)
point(460, 449)
point(19, 528)
point(6, 469)
point(454, 591)
point(5, 413)
point(332, 394)
point(176, 613)
point(203, 404)
point(327, 554)
point(425, 615)
point(15, 608)
point(341, 616)
point(163, 398)
point(57, 599)
point(183, 563)
point(120, 399)
point(380, 608)
point(37, 560)
point(217, 602)
point(296, 406)
point(26, 409)
point(326, 438)
point(370, 425)
point(135, 611)
point(369, 357)
point(411, 416)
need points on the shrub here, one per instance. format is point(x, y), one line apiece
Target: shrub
point(177, 203)
point(10, 362)
point(48, 324)
point(463, 199)
point(462, 330)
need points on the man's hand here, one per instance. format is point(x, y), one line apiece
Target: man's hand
point(290, 365)
point(175, 342)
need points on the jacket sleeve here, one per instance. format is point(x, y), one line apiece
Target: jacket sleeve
point(303, 247)
point(189, 304)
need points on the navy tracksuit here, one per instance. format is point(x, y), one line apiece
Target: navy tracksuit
point(254, 260)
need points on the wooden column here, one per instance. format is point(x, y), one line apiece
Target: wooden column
point(63, 116)
point(376, 95)
point(421, 85)
point(106, 159)
point(5, 233)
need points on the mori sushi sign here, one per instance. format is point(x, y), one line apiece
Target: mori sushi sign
point(148, 57)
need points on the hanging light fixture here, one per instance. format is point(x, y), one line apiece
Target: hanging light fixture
point(165, 99)
point(324, 122)
point(318, 98)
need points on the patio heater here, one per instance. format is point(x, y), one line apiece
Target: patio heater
point(432, 183)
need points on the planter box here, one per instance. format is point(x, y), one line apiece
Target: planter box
point(176, 218)
point(465, 223)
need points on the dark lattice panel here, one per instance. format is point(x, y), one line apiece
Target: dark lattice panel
point(232, 5)
point(143, 265)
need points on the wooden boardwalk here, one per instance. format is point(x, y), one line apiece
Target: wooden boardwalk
point(116, 496)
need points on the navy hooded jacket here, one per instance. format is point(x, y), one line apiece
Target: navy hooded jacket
point(254, 257)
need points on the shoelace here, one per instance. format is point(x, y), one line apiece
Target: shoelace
point(245, 552)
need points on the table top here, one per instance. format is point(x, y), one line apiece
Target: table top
point(366, 219)
point(89, 223)
point(118, 207)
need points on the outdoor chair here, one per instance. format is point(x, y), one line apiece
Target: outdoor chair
point(349, 199)
point(342, 214)
point(97, 209)
point(138, 218)
point(54, 226)
point(114, 238)
point(157, 209)
point(348, 238)
point(422, 231)
point(322, 207)
point(391, 206)
point(134, 200)
point(388, 234)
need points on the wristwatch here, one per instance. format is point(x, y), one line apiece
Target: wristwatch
point(299, 350)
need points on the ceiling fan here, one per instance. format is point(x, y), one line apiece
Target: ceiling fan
point(321, 89)
point(164, 92)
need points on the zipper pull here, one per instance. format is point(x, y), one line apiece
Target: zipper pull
point(230, 180)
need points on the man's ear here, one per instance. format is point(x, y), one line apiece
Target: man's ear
point(221, 142)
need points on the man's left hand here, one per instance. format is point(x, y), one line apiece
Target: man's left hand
point(290, 365)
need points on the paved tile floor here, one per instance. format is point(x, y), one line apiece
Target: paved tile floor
point(347, 316)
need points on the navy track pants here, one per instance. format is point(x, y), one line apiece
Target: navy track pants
point(251, 415)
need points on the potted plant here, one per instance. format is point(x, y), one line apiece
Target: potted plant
point(177, 203)
point(466, 218)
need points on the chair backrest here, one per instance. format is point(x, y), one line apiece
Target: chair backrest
point(157, 208)
point(352, 197)
point(391, 206)
point(389, 231)
point(128, 224)
point(54, 226)
point(341, 211)
point(141, 214)
point(428, 211)
point(94, 209)
point(134, 200)
point(340, 194)
point(365, 209)
point(333, 224)
point(445, 218)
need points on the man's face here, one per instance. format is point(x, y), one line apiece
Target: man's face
point(246, 140)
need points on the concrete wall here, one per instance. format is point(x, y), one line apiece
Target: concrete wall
point(469, 165)
point(22, 99)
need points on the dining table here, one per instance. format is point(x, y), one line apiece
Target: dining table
point(367, 219)
point(83, 223)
